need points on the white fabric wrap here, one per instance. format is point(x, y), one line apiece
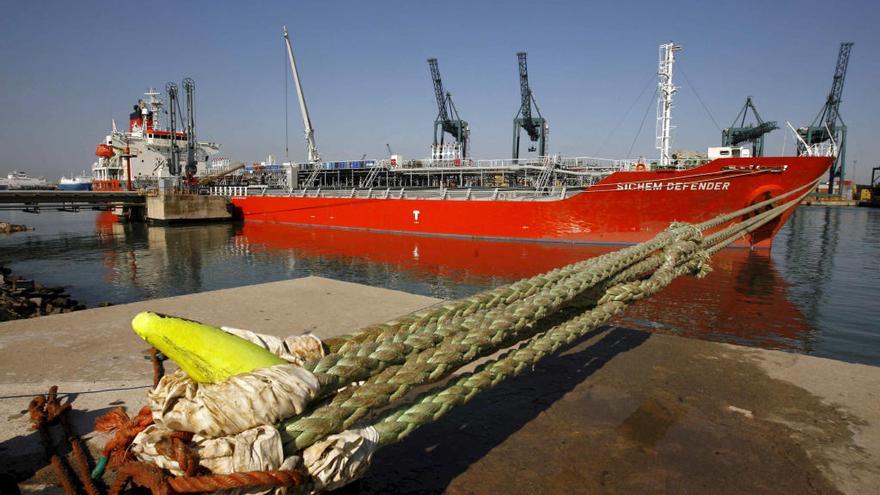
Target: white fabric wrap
point(262, 397)
point(332, 463)
point(257, 449)
point(341, 458)
point(295, 349)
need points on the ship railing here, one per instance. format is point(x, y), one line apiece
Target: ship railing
point(338, 165)
point(464, 194)
point(584, 165)
point(230, 191)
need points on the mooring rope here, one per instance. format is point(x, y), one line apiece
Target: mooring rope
point(366, 375)
point(461, 339)
point(429, 407)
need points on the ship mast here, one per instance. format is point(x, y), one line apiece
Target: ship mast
point(664, 102)
point(314, 157)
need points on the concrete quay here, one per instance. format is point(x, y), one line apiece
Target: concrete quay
point(620, 411)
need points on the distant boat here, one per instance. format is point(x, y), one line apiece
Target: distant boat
point(21, 180)
point(81, 182)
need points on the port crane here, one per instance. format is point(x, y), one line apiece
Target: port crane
point(828, 125)
point(448, 121)
point(189, 86)
point(189, 170)
point(536, 127)
point(314, 156)
point(173, 108)
point(739, 132)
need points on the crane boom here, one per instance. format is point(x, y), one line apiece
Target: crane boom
point(831, 111)
point(190, 86)
point(828, 127)
point(739, 132)
point(525, 92)
point(448, 121)
point(442, 114)
point(314, 156)
point(173, 107)
point(535, 127)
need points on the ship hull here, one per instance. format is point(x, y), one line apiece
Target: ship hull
point(77, 186)
point(624, 208)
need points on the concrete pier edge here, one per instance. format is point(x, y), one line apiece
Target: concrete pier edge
point(620, 411)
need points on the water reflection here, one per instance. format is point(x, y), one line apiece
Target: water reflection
point(742, 300)
point(811, 295)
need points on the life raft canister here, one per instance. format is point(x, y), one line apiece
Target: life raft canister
point(104, 150)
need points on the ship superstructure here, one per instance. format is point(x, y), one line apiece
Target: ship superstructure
point(152, 148)
point(20, 180)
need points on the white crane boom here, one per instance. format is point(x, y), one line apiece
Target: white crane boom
point(314, 156)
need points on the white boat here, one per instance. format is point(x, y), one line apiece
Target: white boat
point(20, 180)
point(81, 182)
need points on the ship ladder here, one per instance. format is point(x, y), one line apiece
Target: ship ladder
point(549, 164)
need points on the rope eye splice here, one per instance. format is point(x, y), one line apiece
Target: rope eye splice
point(273, 414)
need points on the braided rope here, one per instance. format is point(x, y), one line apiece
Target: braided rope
point(430, 407)
point(480, 334)
point(370, 352)
point(487, 332)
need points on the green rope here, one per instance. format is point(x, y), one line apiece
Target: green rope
point(484, 334)
point(430, 407)
point(395, 357)
point(398, 424)
point(370, 352)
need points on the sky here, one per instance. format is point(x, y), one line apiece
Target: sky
point(68, 68)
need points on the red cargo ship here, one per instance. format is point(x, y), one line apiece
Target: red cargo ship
point(549, 198)
point(624, 207)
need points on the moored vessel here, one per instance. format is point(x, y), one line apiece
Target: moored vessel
point(150, 150)
point(80, 182)
point(547, 198)
point(20, 180)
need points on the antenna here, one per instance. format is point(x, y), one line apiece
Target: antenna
point(664, 103)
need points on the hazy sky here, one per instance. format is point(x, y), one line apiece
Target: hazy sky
point(68, 68)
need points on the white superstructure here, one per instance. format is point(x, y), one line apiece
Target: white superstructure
point(144, 148)
point(21, 180)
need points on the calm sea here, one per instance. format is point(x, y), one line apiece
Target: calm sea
point(815, 293)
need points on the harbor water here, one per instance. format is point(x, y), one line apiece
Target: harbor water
point(814, 293)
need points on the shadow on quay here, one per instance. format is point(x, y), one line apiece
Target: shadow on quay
point(437, 453)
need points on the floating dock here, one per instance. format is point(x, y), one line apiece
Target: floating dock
point(621, 411)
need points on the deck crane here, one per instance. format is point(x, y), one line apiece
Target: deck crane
point(535, 127)
point(189, 86)
point(447, 121)
point(739, 132)
point(828, 125)
point(173, 108)
point(314, 156)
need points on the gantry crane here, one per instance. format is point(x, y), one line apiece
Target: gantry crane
point(739, 132)
point(448, 120)
point(828, 125)
point(535, 127)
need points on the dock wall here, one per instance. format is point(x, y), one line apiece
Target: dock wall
point(187, 208)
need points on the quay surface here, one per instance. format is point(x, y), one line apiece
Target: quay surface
point(620, 411)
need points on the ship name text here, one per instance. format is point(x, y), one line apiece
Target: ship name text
point(673, 186)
